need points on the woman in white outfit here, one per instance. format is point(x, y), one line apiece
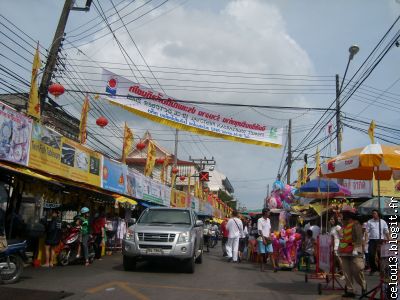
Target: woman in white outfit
point(235, 229)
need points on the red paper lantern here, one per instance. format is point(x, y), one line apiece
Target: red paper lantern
point(140, 146)
point(56, 89)
point(182, 178)
point(175, 170)
point(160, 161)
point(102, 122)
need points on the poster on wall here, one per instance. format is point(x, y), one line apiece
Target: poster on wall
point(167, 196)
point(80, 163)
point(15, 133)
point(134, 184)
point(114, 174)
point(45, 149)
point(57, 155)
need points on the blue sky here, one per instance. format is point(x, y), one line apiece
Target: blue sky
point(270, 37)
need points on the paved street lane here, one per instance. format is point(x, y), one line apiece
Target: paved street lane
point(214, 279)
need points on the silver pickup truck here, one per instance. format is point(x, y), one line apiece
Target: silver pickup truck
point(164, 233)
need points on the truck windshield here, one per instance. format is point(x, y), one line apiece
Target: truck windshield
point(166, 216)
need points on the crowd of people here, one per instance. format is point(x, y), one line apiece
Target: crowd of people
point(355, 244)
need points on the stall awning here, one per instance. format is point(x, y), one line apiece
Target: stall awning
point(123, 199)
point(148, 204)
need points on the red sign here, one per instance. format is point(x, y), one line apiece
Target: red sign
point(204, 176)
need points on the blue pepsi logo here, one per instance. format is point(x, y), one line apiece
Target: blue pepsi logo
point(112, 87)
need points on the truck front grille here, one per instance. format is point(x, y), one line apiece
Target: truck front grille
point(156, 237)
point(164, 247)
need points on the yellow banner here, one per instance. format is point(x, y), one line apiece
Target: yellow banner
point(57, 155)
point(127, 144)
point(388, 188)
point(83, 123)
point(34, 101)
point(151, 159)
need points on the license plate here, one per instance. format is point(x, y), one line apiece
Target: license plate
point(154, 251)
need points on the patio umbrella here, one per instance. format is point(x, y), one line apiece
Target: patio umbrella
point(368, 206)
point(321, 189)
point(374, 160)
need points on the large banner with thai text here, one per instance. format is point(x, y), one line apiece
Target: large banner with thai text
point(15, 133)
point(54, 154)
point(359, 188)
point(160, 108)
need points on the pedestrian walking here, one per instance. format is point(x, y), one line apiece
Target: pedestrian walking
point(375, 240)
point(335, 233)
point(85, 233)
point(235, 229)
point(243, 240)
point(352, 254)
point(98, 231)
point(265, 247)
point(206, 234)
point(225, 234)
point(53, 236)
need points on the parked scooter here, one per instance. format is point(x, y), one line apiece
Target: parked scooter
point(69, 248)
point(12, 262)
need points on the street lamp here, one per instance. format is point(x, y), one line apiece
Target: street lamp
point(353, 50)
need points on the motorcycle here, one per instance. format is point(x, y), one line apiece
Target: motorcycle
point(12, 261)
point(70, 245)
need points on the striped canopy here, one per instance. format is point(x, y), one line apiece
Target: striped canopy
point(383, 161)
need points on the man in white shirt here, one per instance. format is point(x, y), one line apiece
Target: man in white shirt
point(264, 240)
point(375, 239)
point(235, 229)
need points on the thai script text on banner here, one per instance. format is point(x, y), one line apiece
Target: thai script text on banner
point(160, 108)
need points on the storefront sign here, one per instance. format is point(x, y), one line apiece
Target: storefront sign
point(58, 155)
point(358, 188)
point(114, 176)
point(153, 191)
point(15, 132)
point(167, 111)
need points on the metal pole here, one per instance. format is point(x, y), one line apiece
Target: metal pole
point(338, 122)
point(53, 53)
point(176, 148)
point(289, 155)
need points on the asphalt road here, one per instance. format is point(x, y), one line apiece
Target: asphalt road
point(214, 279)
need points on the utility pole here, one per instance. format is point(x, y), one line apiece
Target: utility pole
point(176, 148)
point(289, 153)
point(55, 48)
point(338, 122)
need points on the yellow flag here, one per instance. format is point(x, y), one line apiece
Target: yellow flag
point(34, 101)
point(299, 178)
point(173, 179)
point(83, 123)
point(371, 132)
point(317, 162)
point(151, 159)
point(189, 177)
point(166, 162)
point(305, 174)
point(127, 144)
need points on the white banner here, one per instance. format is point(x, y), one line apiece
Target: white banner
point(359, 188)
point(160, 108)
point(325, 252)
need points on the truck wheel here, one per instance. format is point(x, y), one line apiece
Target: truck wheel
point(189, 265)
point(129, 263)
point(199, 258)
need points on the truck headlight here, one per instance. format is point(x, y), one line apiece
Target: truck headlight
point(184, 237)
point(130, 234)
